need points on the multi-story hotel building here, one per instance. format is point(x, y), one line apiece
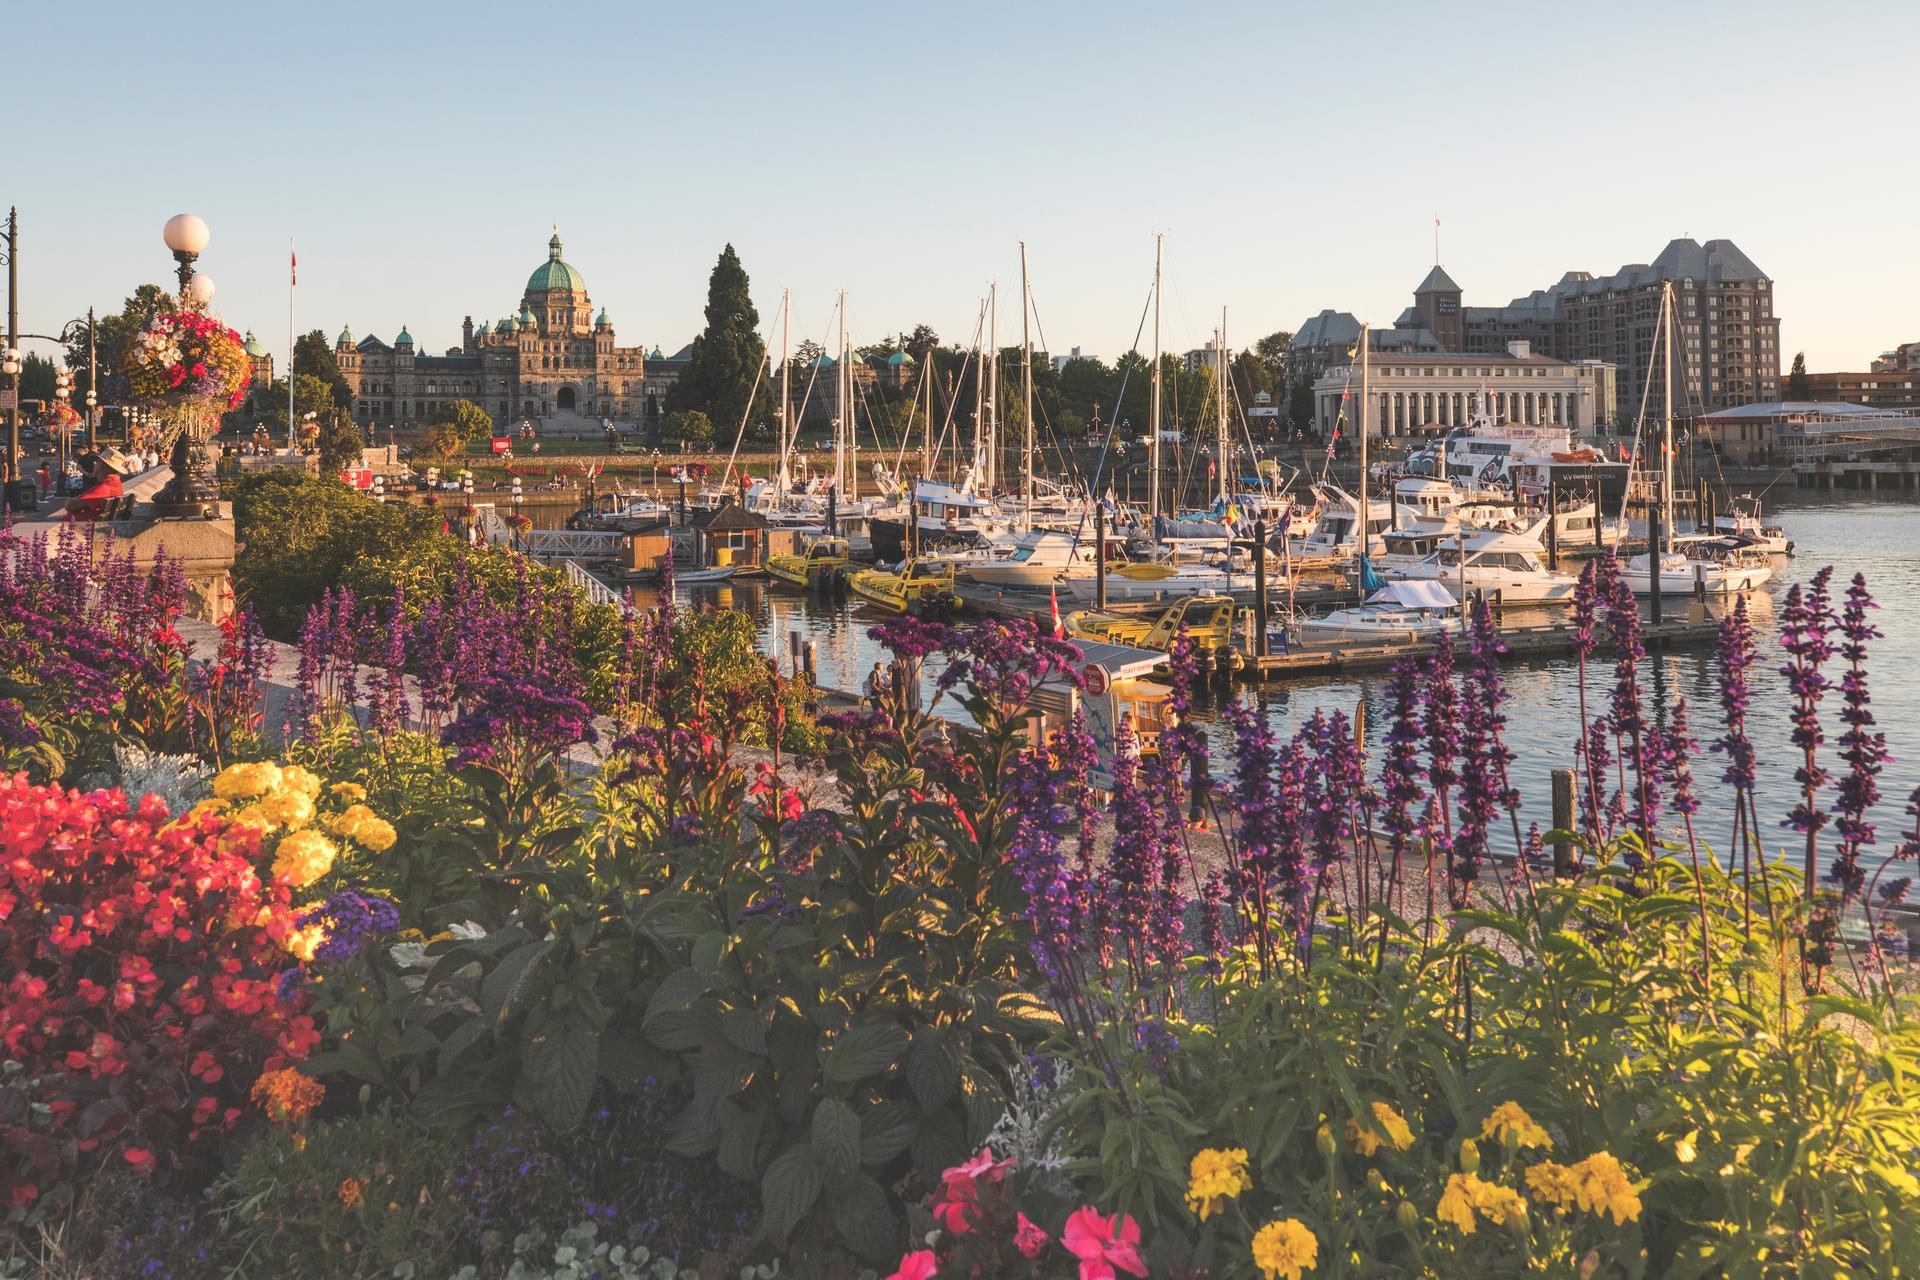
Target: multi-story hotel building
point(1727, 338)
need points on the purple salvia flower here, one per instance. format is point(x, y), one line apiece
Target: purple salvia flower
point(1864, 750)
point(1734, 655)
point(1806, 633)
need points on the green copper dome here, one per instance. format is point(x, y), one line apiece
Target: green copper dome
point(601, 322)
point(403, 338)
point(254, 348)
point(526, 318)
point(507, 326)
point(345, 339)
point(486, 327)
point(554, 273)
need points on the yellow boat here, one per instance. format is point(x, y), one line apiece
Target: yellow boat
point(799, 568)
point(918, 581)
point(1209, 621)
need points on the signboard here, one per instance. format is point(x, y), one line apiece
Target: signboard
point(357, 477)
point(6, 398)
point(502, 444)
point(1096, 677)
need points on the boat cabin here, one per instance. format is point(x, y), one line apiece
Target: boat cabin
point(1114, 690)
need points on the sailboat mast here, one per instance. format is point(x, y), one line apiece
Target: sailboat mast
point(840, 394)
point(786, 406)
point(993, 388)
point(1365, 544)
point(979, 396)
point(1666, 434)
point(1153, 432)
point(1220, 363)
point(1026, 388)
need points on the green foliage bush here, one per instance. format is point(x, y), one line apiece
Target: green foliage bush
point(352, 1199)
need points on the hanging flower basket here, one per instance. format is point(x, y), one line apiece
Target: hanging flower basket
point(187, 368)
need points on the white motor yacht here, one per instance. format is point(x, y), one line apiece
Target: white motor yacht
point(1744, 521)
point(1698, 561)
point(1494, 563)
point(1037, 560)
point(1398, 611)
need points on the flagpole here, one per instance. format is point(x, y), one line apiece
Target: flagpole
point(293, 279)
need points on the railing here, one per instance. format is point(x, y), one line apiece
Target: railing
point(1819, 439)
point(594, 589)
point(585, 544)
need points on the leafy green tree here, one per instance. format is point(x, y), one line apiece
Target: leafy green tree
point(728, 356)
point(1272, 351)
point(1086, 390)
point(453, 425)
point(921, 341)
point(690, 426)
point(341, 444)
point(111, 335)
point(1797, 377)
point(313, 354)
point(37, 377)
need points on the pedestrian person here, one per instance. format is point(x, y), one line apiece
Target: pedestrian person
point(104, 489)
point(1199, 783)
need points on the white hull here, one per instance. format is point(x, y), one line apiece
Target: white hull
point(1680, 580)
point(1184, 582)
point(1370, 624)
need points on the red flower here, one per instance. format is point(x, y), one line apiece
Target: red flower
point(981, 1166)
point(1029, 1239)
point(139, 1157)
point(1103, 1244)
point(919, 1265)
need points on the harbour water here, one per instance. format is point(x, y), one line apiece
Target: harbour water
point(1880, 539)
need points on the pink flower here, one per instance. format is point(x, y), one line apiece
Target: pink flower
point(955, 1212)
point(1029, 1239)
point(919, 1265)
point(981, 1166)
point(1102, 1244)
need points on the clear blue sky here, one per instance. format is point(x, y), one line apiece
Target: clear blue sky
point(1295, 157)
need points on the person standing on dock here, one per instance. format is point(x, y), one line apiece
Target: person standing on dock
point(876, 683)
point(1199, 784)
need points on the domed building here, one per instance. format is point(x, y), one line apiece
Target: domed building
point(554, 363)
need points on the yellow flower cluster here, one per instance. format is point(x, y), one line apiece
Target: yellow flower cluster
point(245, 781)
point(1385, 1121)
point(1597, 1185)
point(1511, 1125)
point(1284, 1249)
point(364, 827)
point(1467, 1194)
point(304, 941)
point(349, 791)
point(303, 857)
point(287, 1095)
point(1215, 1177)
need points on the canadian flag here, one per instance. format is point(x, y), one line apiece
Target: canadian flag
point(1053, 605)
point(293, 266)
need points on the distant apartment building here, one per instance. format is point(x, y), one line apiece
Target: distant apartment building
point(1892, 381)
point(1073, 353)
point(1727, 338)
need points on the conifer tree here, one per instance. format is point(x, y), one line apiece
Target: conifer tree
point(727, 357)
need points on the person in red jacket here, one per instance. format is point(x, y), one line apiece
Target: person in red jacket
point(103, 490)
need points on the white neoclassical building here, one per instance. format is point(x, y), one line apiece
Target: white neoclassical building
point(1425, 392)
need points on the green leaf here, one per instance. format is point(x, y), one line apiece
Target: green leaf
point(668, 1022)
point(864, 1051)
point(933, 1067)
point(836, 1136)
point(739, 1138)
point(561, 1060)
point(938, 1146)
point(709, 951)
point(509, 980)
point(788, 1190)
point(867, 1220)
point(746, 1029)
point(887, 1130)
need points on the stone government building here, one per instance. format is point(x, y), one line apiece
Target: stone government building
point(554, 363)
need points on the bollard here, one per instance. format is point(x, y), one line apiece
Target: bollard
point(1099, 560)
point(1553, 520)
point(812, 652)
point(1562, 821)
point(1260, 587)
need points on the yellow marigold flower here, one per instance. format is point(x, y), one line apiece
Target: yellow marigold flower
point(442, 936)
point(1511, 1123)
point(256, 817)
point(1497, 1203)
point(287, 1095)
point(300, 781)
point(1601, 1186)
point(302, 858)
point(288, 809)
point(377, 835)
point(1217, 1176)
point(1385, 1121)
point(351, 1191)
point(1551, 1183)
point(244, 781)
point(349, 791)
point(1456, 1203)
point(303, 942)
point(1284, 1249)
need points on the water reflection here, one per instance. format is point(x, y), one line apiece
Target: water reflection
point(1872, 537)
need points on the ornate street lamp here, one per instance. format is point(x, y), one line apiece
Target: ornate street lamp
point(186, 235)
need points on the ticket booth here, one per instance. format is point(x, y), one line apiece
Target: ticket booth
point(1114, 687)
